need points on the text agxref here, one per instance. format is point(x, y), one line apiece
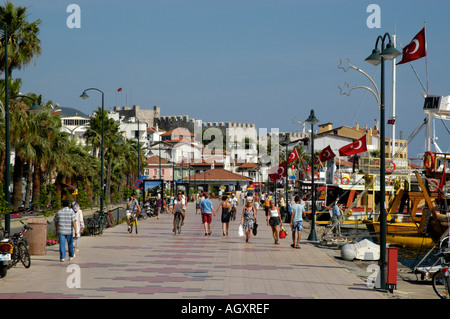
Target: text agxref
point(239, 308)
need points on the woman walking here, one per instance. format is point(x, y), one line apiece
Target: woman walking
point(248, 219)
point(274, 220)
point(226, 213)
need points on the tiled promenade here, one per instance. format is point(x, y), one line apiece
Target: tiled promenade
point(155, 263)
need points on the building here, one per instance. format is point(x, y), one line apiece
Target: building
point(218, 177)
point(157, 166)
point(145, 116)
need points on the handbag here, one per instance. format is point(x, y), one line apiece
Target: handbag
point(283, 232)
point(241, 231)
point(255, 229)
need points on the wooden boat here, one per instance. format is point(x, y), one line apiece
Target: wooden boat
point(414, 228)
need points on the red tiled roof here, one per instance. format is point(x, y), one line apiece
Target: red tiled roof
point(155, 160)
point(178, 131)
point(249, 165)
point(219, 174)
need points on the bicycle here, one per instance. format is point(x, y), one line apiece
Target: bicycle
point(133, 223)
point(441, 278)
point(20, 248)
point(178, 222)
point(103, 220)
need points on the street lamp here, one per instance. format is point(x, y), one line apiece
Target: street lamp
point(387, 53)
point(85, 96)
point(7, 138)
point(286, 143)
point(312, 235)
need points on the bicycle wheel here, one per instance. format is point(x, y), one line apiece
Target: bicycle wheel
point(131, 225)
point(178, 224)
point(439, 286)
point(24, 255)
point(135, 225)
point(111, 221)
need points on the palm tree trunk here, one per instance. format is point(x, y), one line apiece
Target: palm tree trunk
point(28, 184)
point(36, 182)
point(17, 183)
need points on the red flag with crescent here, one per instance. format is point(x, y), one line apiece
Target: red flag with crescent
point(294, 156)
point(416, 49)
point(279, 172)
point(326, 154)
point(356, 147)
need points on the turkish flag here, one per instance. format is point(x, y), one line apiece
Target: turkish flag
point(356, 147)
point(294, 156)
point(326, 154)
point(119, 90)
point(279, 172)
point(416, 49)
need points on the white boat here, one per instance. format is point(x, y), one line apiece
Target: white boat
point(362, 250)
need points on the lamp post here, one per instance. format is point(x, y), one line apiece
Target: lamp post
point(312, 235)
point(286, 143)
point(7, 138)
point(85, 96)
point(387, 53)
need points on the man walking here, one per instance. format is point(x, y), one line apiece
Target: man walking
point(298, 210)
point(206, 208)
point(66, 226)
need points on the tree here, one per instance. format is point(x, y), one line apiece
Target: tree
point(23, 42)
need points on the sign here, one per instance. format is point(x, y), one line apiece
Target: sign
point(138, 184)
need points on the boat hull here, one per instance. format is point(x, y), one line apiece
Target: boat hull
point(402, 234)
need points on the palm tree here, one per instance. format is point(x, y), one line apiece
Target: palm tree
point(14, 89)
point(23, 42)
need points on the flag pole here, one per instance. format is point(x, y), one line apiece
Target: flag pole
point(426, 53)
point(394, 36)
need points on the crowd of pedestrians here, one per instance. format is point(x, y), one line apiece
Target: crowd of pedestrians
point(69, 221)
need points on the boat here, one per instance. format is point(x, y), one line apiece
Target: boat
point(419, 226)
point(362, 250)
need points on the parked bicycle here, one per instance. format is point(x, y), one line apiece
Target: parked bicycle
point(20, 248)
point(441, 278)
point(99, 221)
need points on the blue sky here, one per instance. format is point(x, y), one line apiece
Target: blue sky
point(256, 61)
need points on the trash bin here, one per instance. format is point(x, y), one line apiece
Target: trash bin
point(391, 274)
point(37, 236)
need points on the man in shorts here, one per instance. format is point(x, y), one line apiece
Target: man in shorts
point(132, 206)
point(206, 209)
point(298, 211)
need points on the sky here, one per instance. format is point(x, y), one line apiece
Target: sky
point(267, 62)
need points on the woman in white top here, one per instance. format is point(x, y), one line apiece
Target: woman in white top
point(274, 220)
point(80, 224)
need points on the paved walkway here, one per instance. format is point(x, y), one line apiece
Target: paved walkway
point(155, 263)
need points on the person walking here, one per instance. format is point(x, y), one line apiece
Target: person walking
point(158, 205)
point(274, 220)
point(206, 208)
point(66, 226)
point(80, 225)
point(248, 220)
point(266, 205)
point(178, 208)
point(298, 212)
point(226, 214)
